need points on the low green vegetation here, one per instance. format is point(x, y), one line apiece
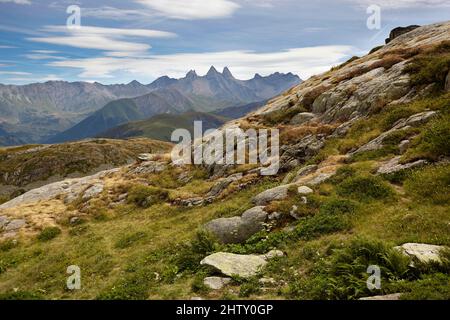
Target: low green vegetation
point(49, 233)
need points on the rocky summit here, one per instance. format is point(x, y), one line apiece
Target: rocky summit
point(363, 184)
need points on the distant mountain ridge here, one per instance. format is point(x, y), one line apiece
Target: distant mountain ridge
point(209, 93)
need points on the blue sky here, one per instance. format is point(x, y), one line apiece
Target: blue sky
point(120, 41)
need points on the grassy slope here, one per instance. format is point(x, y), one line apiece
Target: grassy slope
point(160, 127)
point(351, 221)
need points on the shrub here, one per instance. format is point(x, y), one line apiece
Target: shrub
point(433, 142)
point(343, 274)
point(145, 197)
point(364, 188)
point(198, 285)
point(282, 116)
point(249, 287)
point(49, 233)
point(431, 184)
point(333, 216)
point(342, 173)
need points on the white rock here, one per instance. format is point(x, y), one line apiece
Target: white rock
point(305, 190)
point(425, 253)
point(216, 283)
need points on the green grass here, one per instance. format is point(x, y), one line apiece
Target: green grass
point(365, 188)
point(49, 233)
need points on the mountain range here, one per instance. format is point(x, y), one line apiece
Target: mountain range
point(212, 92)
point(57, 111)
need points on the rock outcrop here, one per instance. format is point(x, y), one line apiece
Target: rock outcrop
point(395, 33)
point(277, 193)
point(244, 266)
point(238, 229)
point(424, 253)
point(394, 165)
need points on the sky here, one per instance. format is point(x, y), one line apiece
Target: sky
point(121, 41)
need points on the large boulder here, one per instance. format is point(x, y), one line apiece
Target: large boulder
point(93, 191)
point(400, 31)
point(244, 266)
point(238, 229)
point(277, 193)
point(424, 253)
point(302, 118)
point(394, 165)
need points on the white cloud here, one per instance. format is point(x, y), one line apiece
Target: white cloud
point(6, 47)
point(112, 32)
point(15, 73)
point(16, 1)
point(192, 9)
point(111, 13)
point(302, 61)
point(42, 56)
point(106, 39)
point(93, 42)
point(398, 4)
point(24, 79)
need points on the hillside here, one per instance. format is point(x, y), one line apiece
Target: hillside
point(211, 92)
point(27, 167)
point(364, 182)
point(160, 127)
point(54, 106)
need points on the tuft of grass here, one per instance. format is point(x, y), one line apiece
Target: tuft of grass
point(282, 116)
point(434, 142)
point(49, 233)
point(430, 184)
point(145, 197)
point(128, 240)
point(364, 188)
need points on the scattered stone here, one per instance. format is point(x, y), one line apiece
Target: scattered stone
point(193, 202)
point(394, 296)
point(148, 167)
point(293, 155)
point(274, 216)
point(244, 266)
point(305, 190)
point(404, 145)
point(146, 157)
point(305, 171)
point(223, 184)
point(277, 193)
point(122, 197)
point(302, 118)
point(185, 177)
point(15, 224)
point(3, 221)
point(238, 229)
point(216, 283)
point(394, 165)
point(74, 220)
point(424, 253)
point(267, 281)
point(92, 191)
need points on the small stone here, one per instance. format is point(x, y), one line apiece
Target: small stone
point(216, 283)
point(404, 145)
point(394, 296)
point(92, 191)
point(74, 220)
point(3, 221)
point(274, 216)
point(305, 190)
point(15, 225)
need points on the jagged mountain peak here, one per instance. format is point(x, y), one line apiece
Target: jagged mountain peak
point(227, 73)
point(191, 74)
point(212, 72)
